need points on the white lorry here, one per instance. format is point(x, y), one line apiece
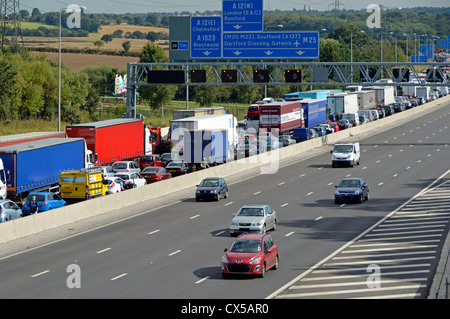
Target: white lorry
point(204, 122)
point(340, 103)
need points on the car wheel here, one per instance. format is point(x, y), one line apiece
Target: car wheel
point(361, 198)
point(274, 225)
point(367, 197)
point(277, 262)
point(263, 270)
point(226, 194)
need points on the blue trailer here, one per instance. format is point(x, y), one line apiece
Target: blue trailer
point(35, 166)
point(314, 112)
point(209, 144)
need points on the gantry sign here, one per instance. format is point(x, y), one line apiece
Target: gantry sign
point(238, 34)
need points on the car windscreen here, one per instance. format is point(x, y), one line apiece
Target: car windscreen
point(246, 211)
point(150, 170)
point(209, 183)
point(246, 246)
point(349, 183)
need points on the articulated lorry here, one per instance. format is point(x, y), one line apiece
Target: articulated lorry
point(213, 110)
point(36, 166)
point(28, 137)
point(114, 140)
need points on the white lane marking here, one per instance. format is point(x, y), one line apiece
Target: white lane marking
point(285, 204)
point(289, 234)
point(41, 273)
point(318, 218)
point(310, 193)
point(201, 280)
point(257, 193)
point(103, 250)
point(195, 216)
point(174, 253)
point(330, 183)
point(154, 232)
point(219, 233)
point(228, 203)
point(120, 276)
point(279, 184)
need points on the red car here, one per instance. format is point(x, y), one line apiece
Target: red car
point(250, 254)
point(155, 174)
point(149, 160)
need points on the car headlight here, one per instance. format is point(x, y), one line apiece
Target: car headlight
point(234, 224)
point(197, 192)
point(358, 192)
point(257, 223)
point(225, 260)
point(255, 261)
point(337, 193)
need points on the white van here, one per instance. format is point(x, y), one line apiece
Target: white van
point(345, 154)
point(372, 115)
point(352, 117)
point(3, 180)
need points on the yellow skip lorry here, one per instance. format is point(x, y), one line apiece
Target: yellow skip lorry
point(82, 184)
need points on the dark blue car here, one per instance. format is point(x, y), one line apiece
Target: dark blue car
point(352, 189)
point(211, 188)
point(46, 201)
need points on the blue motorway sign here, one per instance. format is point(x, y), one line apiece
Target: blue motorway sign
point(206, 37)
point(271, 45)
point(419, 58)
point(242, 15)
point(427, 50)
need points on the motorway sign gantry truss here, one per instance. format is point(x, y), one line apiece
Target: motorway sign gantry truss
point(339, 74)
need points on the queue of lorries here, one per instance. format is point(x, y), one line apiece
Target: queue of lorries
point(84, 162)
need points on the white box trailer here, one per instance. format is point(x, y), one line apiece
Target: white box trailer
point(203, 122)
point(423, 91)
point(366, 99)
point(385, 95)
point(341, 103)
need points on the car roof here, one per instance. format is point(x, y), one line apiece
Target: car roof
point(255, 205)
point(252, 236)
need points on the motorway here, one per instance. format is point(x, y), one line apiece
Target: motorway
point(174, 251)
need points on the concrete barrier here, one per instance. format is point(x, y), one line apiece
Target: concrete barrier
point(47, 220)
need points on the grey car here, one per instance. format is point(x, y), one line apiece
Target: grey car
point(253, 218)
point(126, 167)
point(9, 210)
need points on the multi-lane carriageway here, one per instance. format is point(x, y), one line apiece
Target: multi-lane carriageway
point(171, 248)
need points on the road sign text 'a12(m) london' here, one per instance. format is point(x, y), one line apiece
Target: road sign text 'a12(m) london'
point(242, 15)
point(206, 37)
point(271, 45)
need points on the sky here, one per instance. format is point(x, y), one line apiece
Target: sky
point(145, 6)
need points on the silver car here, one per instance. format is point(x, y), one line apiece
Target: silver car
point(126, 167)
point(9, 210)
point(253, 218)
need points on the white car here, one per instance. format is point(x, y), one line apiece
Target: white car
point(115, 184)
point(132, 180)
point(126, 167)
